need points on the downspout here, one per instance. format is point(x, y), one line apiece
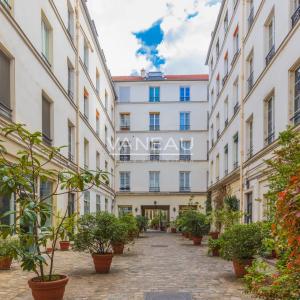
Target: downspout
point(77, 11)
point(242, 133)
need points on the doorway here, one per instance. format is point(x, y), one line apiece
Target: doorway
point(157, 215)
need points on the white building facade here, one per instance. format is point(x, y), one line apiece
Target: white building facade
point(55, 80)
point(161, 151)
point(254, 94)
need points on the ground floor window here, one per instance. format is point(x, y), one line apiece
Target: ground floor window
point(248, 208)
point(7, 203)
point(46, 187)
point(124, 210)
point(71, 204)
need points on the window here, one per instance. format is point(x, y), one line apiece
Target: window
point(7, 203)
point(124, 210)
point(97, 81)
point(249, 128)
point(226, 22)
point(184, 181)
point(98, 160)
point(7, 4)
point(124, 93)
point(251, 14)
point(46, 188)
point(106, 204)
point(86, 154)
point(154, 121)
point(98, 203)
point(5, 104)
point(86, 202)
point(71, 144)
point(124, 181)
point(296, 12)
point(185, 150)
point(71, 204)
point(235, 150)
point(226, 112)
point(70, 20)
point(212, 135)
point(250, 79)
point(86, 54)
point(225, 66)
point(106, 100)
point(124, 121)
point(211, 64)
point(236, 45)
point(86, 104)
point(154, 150)
point(154, 181)
point(218, 84)
point(46, 40)
point(218, 49)
point(248, 208)
point(218, 125)
point(124, 151)
point(71, 76)
point(106, 136)
point(236, 95)
point(270, 29)
point(154, 94)
point(297, 97)
point(217, 167)
point(270, 124)
point(185, 121)
point(212, 97)
point(106, 166)
point(185, 93)
point(211, 172)
point(46, 121)
point(97, 123)
point(226, 160)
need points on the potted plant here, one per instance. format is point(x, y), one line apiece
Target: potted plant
point(214, 246)
point(155, 223)
point(173, 226)
point(34, 164)
point(132, 226)
point(8, 251)
point(120, 237)
point(240, 243)
point(95, 235)
point(142, 223)
point(66, 233)
point(199, 227)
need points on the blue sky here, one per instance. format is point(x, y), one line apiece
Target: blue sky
point(168, 35)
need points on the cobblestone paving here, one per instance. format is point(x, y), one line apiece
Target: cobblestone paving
point(157, 262)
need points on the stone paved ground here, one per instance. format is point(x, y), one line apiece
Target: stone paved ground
point(179, 267)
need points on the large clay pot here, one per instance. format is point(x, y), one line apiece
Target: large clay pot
point(240, 266)
point(5, 263)
point(173, 230)
point(48, 290)
point(102, 262)
point(197, 240)
point(64, 245)
point(216, 252)
point(118, 248)
point(190, 237)
point(214, 235)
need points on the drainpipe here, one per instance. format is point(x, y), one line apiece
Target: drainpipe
point(242, 81)
point(77, 11)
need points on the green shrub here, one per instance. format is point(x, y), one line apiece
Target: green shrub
point(96, 232)
point(131, 224)
point(120, 234)
point(214, 244)
point(241, 241)
point(199, 225)
point(9, 247)
point(142, 223)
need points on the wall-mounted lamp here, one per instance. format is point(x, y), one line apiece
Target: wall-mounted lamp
point(174, 209)
point(136, 209)
point(155, 202)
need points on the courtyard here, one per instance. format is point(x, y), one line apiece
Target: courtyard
point(157, 262)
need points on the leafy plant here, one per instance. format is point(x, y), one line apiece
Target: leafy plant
point(154, 222)
point(199, 225)
point(214, 244)
point(120, 234)
point(131, 224)
point(96, 232)
point(142, 223)
point(241, 241)
point(67, 228)
point(34, 164)
point(9, 247)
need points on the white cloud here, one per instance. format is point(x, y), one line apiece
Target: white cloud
point(185, 44)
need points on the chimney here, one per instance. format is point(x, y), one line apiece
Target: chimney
point(143, 73)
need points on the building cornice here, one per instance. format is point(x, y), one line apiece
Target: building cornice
point(161, 131)
point(137, 193)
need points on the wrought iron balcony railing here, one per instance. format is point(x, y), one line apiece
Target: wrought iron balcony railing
point(184, 157)
point(251, 18)
point(124, 157)
point(154, 156)
point(226, 123)
point(296, 118)
point(218, 133)
point(5, 111)
point(125, 127)
point(225, 79)
point(250, 152)
point(184, 189)
point(47, 140)
point(296, 16)
point(125, 188)
point(250, 82)
point(154, 189)
point(154, 127)
point(185, 127)
point(270, 55)
point(270, 138)
point(235, 165)
point(236, 108)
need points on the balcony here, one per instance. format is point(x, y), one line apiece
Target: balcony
point(226, 123)
point(250, 82)
point(70, 156)
point(270, 55)
point(224, 79)
point(125, 188)
point(125, 127)
point(125, 157)
point(6, 4)
point(270, 138)
point(154, 156)
point(5, 111)
point(184, 189)
point(86, 167)
point(70, 94)
point(154, 189)
point(212, 142)
point(234, 57)
point(226, 172)
point(235, 165)
point(251, 18)
point(185, 127)
point(250, 152)
point(154, 127)
point(296, 118)
point(236, 108)
point(185, 157)
point(218, 133)
point(217, 178)
point(296, 17)
point(47, 141)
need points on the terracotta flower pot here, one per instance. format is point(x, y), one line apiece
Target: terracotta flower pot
point(190, 237)
point(48, 290)
point(64, 245)
point(197, 240)
point(214, 235)
point(173, 230)
point(49, 250)
point(240, 266)
point(102, 262)
point(216, 252)
point(118, 248)
point(5, 263)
